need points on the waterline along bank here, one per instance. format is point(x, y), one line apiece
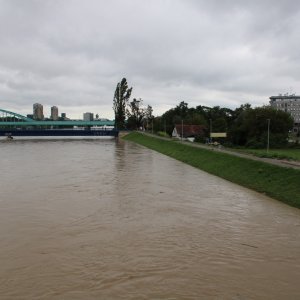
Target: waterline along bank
point(277, 182)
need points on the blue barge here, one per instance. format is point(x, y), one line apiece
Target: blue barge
point(59, 132)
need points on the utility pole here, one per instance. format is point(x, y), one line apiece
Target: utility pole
point(268, 142)
point(181, 130)
point(210, 129)
point(152, 125)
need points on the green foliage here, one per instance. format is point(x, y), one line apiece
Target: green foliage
point(290, 154)
point(277, 182)
point(220, 118)
point(200, 139)
point(148, 112)
point(121, 97)
point(245, 126)
point(250, 128)
point(162, 133)
point(136, 114)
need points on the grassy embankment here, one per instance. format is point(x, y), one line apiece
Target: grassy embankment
point(290, 154)
point(277, 182)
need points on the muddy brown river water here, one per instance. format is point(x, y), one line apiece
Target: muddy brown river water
point(113, 220)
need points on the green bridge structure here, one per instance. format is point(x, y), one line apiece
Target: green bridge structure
point(14, 124)
point(8, 118)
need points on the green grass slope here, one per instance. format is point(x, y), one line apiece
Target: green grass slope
point(277, 182)
point(291, 154)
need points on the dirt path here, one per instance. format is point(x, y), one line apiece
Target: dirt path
point(277, 162)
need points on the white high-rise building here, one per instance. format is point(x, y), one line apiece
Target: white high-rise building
point(289, 104)
point(54, 113)
point(38, 111)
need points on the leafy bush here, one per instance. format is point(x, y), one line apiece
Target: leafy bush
point(162, 133)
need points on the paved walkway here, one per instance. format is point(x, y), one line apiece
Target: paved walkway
point(277, 162)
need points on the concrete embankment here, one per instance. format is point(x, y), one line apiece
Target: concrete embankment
point(281, 183)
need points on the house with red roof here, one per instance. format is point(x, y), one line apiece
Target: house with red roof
point(188, 132)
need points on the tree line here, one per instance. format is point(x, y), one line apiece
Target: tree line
point(245, 126)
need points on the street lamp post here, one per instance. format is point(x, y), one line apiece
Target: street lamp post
point(268, 141)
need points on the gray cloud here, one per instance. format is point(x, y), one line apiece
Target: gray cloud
point(72, 53)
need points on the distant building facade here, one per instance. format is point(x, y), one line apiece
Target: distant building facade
point(289, 104)
point(54, 113)
point(38, 111)
point(88, 116)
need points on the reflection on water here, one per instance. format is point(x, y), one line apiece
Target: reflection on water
point(112, 220)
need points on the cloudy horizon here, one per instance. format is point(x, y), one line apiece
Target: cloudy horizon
point(72, 54)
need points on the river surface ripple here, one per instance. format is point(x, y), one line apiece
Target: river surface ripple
point(107, 219)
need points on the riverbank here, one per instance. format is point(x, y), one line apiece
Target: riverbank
point(286, 154)
point(277, 182)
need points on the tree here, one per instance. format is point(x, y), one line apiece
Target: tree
point(182, 109)
point(148, 113)
point(250, 128)
point(135, 113)
point(219, 125)
point(148, 117)
point(121, 98)
point(191, 116)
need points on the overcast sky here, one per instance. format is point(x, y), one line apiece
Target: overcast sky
point(72, 53)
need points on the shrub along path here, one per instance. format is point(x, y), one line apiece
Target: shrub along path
point(281, 183)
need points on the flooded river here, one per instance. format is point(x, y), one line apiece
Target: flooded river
point(112, 220)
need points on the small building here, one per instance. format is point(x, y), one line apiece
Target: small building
point(188, 132)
